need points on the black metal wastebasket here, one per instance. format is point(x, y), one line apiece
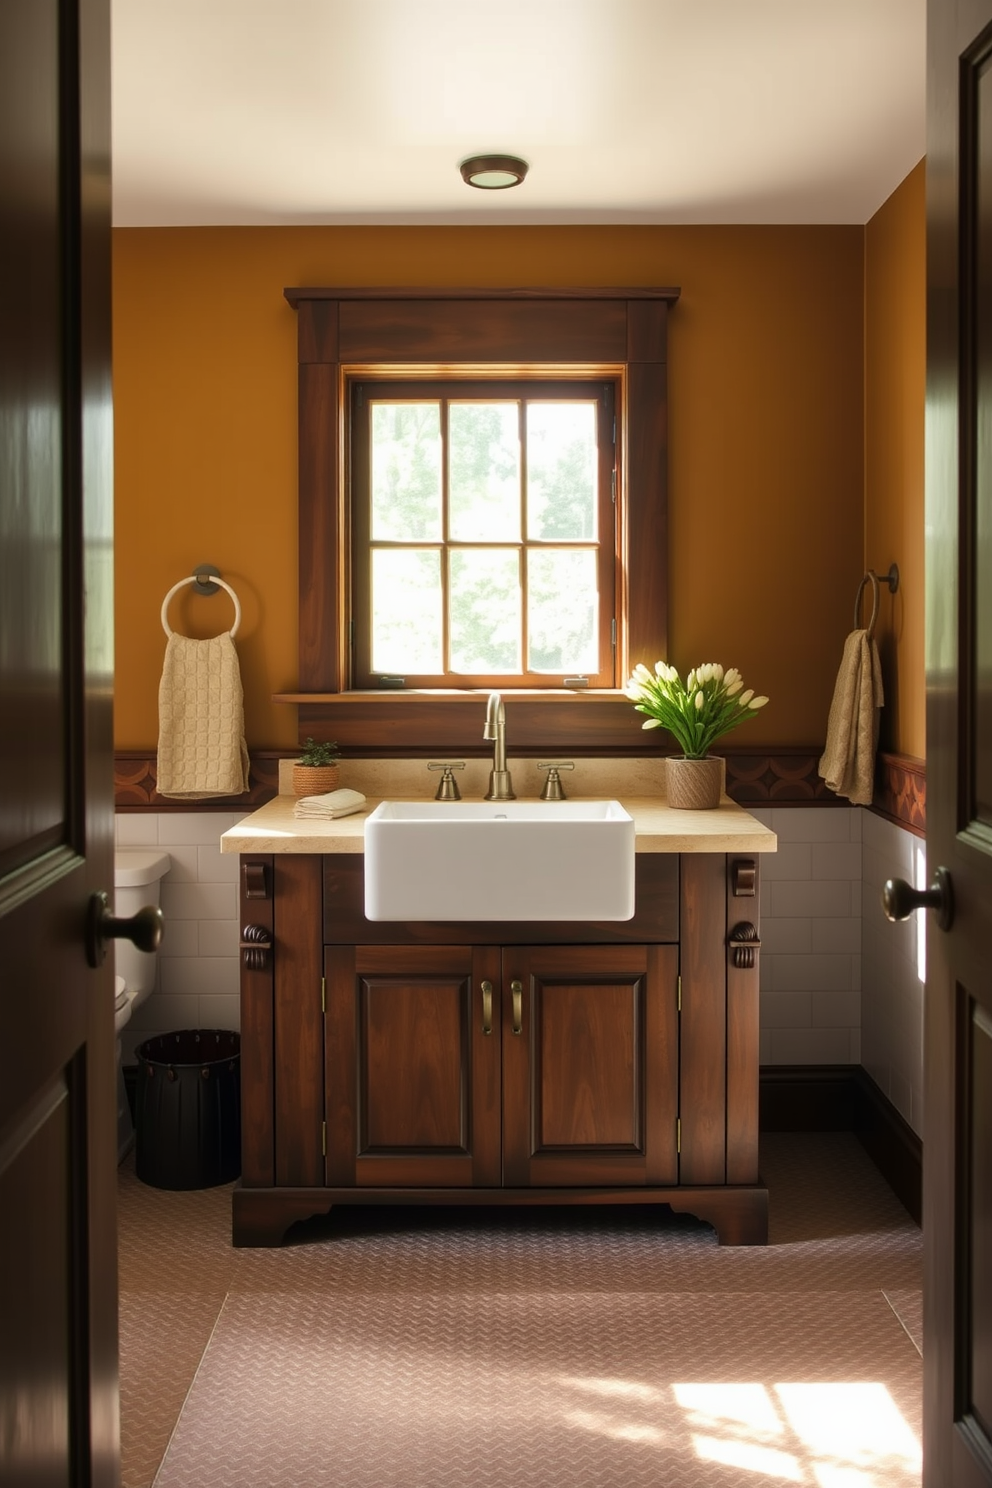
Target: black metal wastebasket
point(188, 1109)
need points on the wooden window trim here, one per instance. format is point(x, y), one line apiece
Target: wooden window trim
point(459, 332)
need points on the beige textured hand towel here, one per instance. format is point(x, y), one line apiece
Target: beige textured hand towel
point(335, 803)
point(848, 762)
point(201, 738)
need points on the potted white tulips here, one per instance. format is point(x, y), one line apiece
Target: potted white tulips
point(696, 713)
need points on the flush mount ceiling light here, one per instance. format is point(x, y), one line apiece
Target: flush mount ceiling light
point(493, 172)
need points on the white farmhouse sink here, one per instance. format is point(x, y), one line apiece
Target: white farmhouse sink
point(499, 860)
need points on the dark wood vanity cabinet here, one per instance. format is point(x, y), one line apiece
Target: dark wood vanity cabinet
point(501, 1066)
point(574, 1063)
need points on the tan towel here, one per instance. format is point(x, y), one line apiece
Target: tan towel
point(336, 803)
point(848, 762)
point(201, 725)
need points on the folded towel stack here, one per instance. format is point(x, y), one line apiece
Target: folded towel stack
point(335, 803)
point(201, 742)
point(848, 762)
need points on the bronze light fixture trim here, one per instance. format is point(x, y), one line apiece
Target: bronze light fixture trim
point(493, 172)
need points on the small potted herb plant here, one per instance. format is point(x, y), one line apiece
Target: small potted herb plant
point(316, 771)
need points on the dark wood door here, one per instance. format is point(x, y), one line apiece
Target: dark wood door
point(957, 1217)
point(590, 1065)
point(413, 1066)
point(58, 1270)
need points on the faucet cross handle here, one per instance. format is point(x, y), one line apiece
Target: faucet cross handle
point(447, 788)
point(553, 790)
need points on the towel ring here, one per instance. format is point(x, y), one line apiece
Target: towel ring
point(891, 580)
point(874, 602)
point(195, 579)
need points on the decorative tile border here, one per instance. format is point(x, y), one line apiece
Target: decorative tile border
point(135, 774)
point(901, 791)
point(782, 777)
point(786, 776)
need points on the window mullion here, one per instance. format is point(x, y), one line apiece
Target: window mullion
point(445, 539)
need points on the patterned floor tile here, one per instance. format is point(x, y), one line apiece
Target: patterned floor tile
point(908, 1308)
point(559, 1337)
point(163, 1336)
point(563, 1389)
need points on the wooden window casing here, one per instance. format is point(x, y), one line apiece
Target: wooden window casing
point(345, 334)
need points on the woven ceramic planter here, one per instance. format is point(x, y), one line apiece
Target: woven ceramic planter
point(314, 780)
point(694, 784)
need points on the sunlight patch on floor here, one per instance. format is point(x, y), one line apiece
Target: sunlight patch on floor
point(834, 1434)
point(845, 1435)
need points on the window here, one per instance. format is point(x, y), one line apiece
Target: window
point(483, 535)
point(352, 335)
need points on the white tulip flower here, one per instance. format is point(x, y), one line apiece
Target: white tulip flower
point(707, 705)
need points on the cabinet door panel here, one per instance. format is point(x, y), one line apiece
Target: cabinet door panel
point(587, 1041)
point(413, 1099)
point(590, 1079)
point(412, 1078)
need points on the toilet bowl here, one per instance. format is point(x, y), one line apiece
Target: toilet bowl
point(138, 874)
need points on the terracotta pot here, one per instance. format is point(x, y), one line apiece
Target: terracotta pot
point(694, 784)
point(314, 780)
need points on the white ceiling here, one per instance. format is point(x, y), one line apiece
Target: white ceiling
point(650, 111)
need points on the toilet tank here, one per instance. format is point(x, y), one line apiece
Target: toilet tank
point(138, 874)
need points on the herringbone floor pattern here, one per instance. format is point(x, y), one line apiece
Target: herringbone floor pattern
point(588, 1348)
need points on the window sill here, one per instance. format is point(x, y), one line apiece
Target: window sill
point(449, 695)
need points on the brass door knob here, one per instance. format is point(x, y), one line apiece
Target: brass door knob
point(144, 929)
point(900, 899)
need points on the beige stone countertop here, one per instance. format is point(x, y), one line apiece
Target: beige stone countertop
point(657, 827)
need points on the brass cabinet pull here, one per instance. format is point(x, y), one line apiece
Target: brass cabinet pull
point(517, 993)
point(487, 1007)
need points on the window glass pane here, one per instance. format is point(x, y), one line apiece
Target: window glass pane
point(561, 471)
point(406, 610)
point(485, 610)
point(406, 472)
point(562, 610)
point(484, 471)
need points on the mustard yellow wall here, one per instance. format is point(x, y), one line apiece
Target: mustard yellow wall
point(895, 390)
point(766, 437)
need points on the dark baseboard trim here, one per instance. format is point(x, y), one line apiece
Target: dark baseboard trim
point(891, 1143)
point(844, 1097)
point(807, 1097)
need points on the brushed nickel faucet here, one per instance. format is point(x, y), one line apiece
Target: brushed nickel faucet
point(500, 784)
